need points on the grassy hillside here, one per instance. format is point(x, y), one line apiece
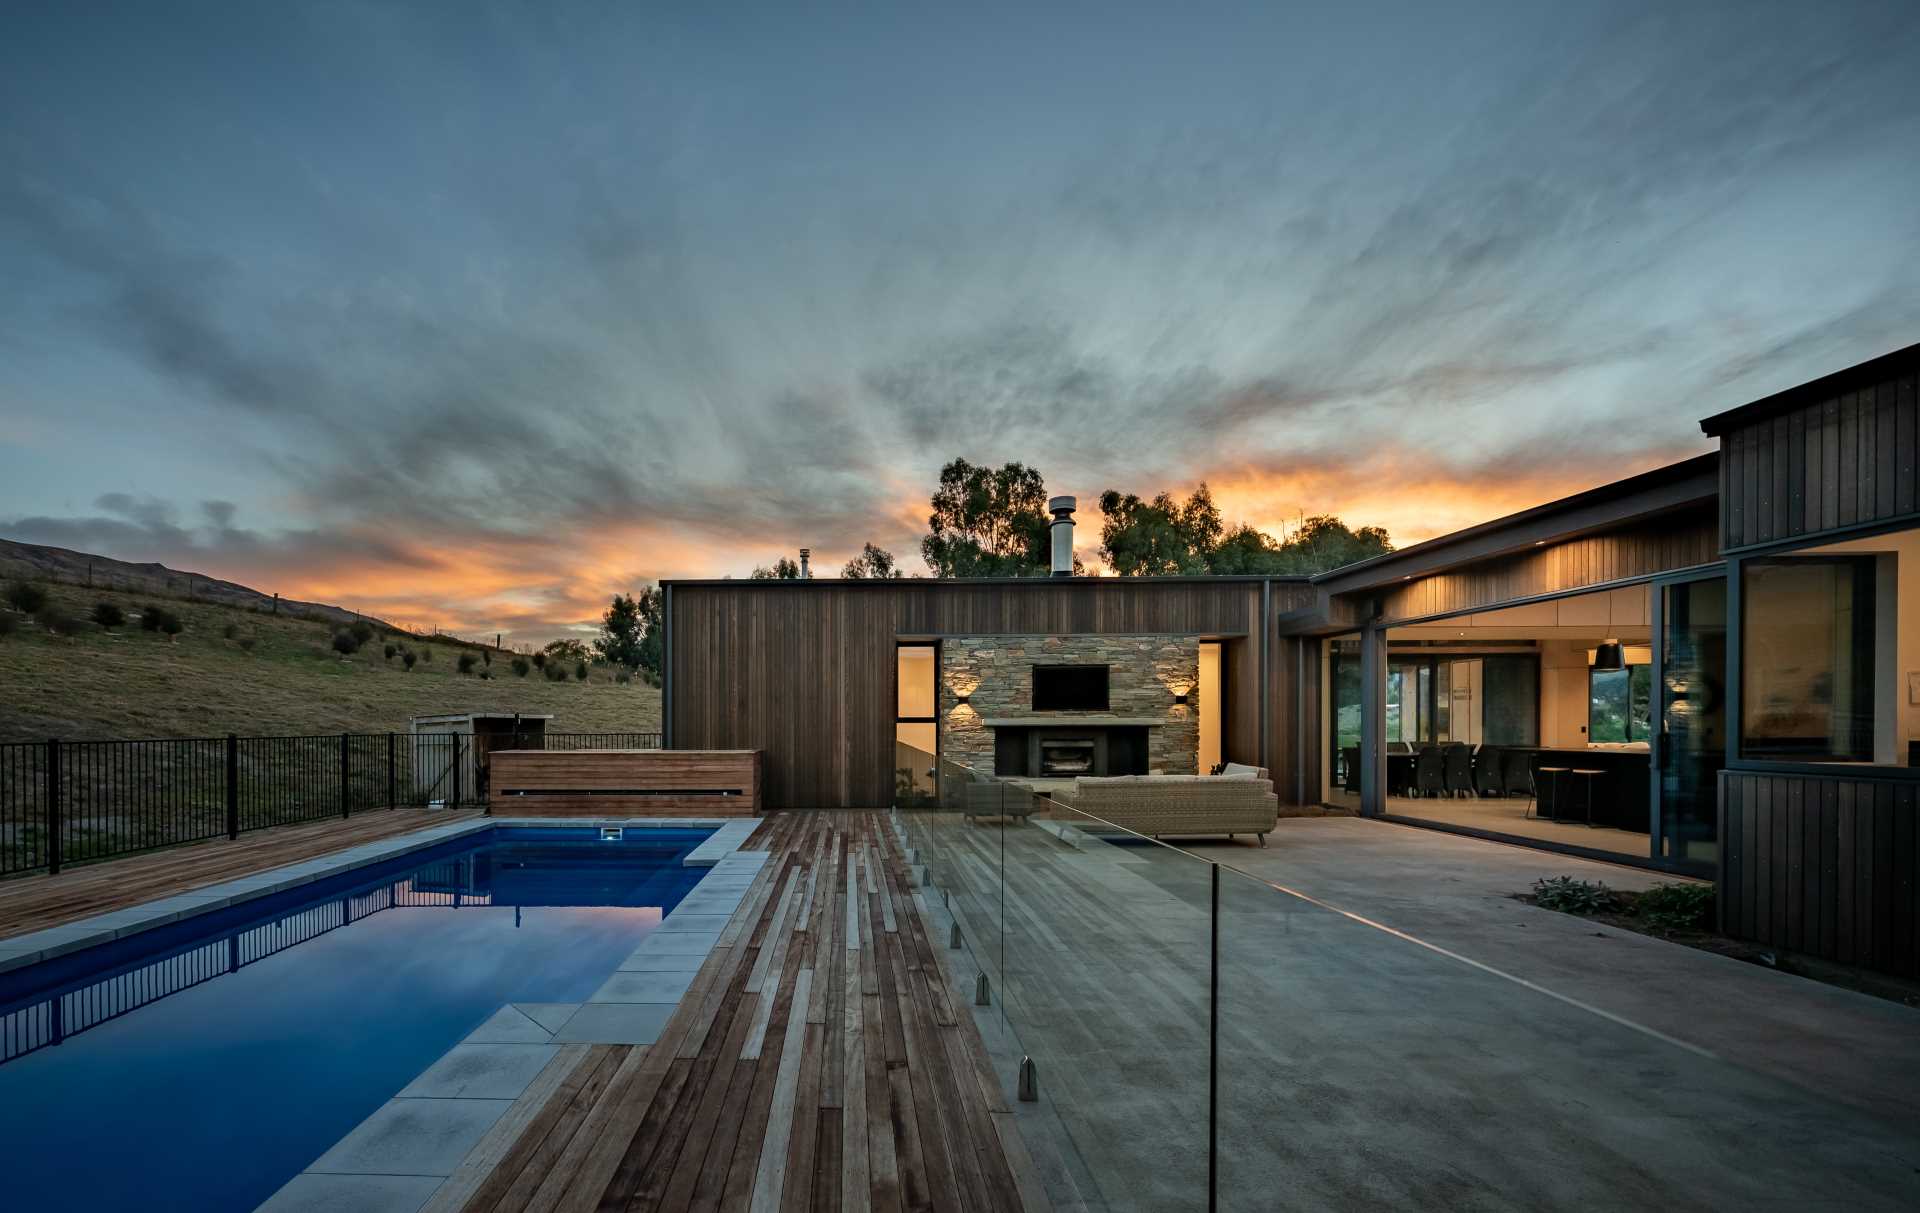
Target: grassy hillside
point(205, 682)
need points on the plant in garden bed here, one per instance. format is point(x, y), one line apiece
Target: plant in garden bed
point(1676, 907)
point(1571, 896)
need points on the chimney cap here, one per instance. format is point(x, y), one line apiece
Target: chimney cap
point(1061, 507)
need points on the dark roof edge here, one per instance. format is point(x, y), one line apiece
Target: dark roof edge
point(1663, 489)
point(1872, 371)
point(845, 582)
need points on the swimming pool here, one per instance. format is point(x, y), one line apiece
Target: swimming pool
point(201, 1064)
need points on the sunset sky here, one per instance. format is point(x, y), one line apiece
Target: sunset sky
point(472, 315)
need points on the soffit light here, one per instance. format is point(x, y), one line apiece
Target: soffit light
point(1609, 656)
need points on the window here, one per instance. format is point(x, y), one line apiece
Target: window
point(915, 728)
point(1808, 679)
point(1620, 704)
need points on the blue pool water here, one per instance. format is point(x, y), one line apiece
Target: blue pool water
point(200, 1066)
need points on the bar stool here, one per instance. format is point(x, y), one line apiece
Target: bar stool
point(1588, 776)
point(1533, 799)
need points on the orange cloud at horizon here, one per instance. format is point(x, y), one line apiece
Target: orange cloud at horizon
point(532, 588)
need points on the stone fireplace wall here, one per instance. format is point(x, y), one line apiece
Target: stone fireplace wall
point(997, 673)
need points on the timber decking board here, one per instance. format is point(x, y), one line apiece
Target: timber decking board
point(868, 1091)
point(32, 903)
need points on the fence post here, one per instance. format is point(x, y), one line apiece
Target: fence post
point(392, 786)
point(233, 786)
point(53, 806)
point(459, 759)
point(346, 802)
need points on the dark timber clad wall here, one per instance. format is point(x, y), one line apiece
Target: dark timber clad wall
point(1822, 865)
point(1824, 465)
point(806, 672)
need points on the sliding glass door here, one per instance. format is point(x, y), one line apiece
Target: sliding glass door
point(1692, 718)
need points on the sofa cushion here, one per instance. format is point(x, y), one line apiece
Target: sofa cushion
point(1238, 770)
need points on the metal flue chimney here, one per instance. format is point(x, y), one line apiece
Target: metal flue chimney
point(805, 572)
point(1062, 510)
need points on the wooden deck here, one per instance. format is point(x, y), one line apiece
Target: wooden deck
point(32, 903)
point(817, 1063)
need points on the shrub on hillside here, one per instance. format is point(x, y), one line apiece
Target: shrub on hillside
point(539, 661)
point(345, 643)
point(521, 665)
point(58, 620)
point(26, 596)
point(580, 671)
point(155, 619)
point(622, 677)
point(231, 631)
point(108, 616)
point(246, 644)
point(362, 630)
point(390, 651)
point(554, 672)
point(426, 653)
point(486, 657)
point(408, 657)
point(6, 625)
point(467, 662)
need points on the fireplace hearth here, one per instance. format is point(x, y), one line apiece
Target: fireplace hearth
point(1065, 757)
point(1068, 751)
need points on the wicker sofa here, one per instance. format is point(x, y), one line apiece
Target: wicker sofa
point(1177, 805)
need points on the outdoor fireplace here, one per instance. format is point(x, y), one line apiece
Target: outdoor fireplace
point(1065, 757)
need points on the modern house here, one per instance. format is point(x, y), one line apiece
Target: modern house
point(1712, 667)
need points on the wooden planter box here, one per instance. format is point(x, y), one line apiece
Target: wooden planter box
point(624, 783)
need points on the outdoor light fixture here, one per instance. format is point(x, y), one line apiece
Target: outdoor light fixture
point(961, 697)
point(1609, 656)
point(1180, 698)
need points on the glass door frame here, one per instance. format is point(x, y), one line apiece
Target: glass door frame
point(1656, 733)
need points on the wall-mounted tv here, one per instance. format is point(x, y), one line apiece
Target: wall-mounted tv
point(1069, 688)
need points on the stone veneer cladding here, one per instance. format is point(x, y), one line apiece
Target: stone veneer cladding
point(997, 671)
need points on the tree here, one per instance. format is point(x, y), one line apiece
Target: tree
point(783, 570)
point(988, 522)
point(1166, 536)
point(1159, 538)
point(565, 650)
point(520, 667)
point(875, 564)
point(26, 597)
point(630, 631)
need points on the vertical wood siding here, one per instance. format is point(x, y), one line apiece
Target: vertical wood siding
point(1674, 541)
point(1850, 459)
point(1824, 865)
point(806, 673)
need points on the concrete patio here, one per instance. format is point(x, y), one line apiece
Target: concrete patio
point(1410, 1036)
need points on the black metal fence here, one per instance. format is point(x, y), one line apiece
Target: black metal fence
point(62, 1013)
point(68, 802)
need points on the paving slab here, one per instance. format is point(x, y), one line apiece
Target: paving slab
point(616, 1023)
point(481, 1071)
point(510, 1025)
point(310, 1193)
point(549, 1015)
point(667, 987)
point(413, 1137)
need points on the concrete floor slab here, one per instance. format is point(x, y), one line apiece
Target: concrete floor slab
point(1412, 1036)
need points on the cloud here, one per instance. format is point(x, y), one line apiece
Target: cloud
point(641, 306)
